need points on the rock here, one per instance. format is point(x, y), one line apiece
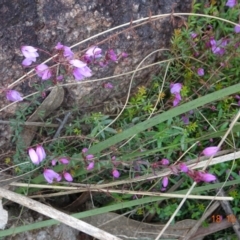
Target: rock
point(43, 24)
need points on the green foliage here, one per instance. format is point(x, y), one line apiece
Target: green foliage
point(150, 128)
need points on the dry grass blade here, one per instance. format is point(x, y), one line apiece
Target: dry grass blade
point(59, 216)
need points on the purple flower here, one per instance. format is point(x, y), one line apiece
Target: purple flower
point(115, 173)
point(90, 166)
point(237, 29)
point(183, 167)
point(200, 71)
point(89, 157)
point(64, 160)
point(50, 175)
point(33, 156)
point(54, 162)
point(177, 99)
point(40, 152)
point(175, 88)
point(210, 151)
point(59, 46)
point(231, 3)
point(30, 54)
point(68, 176)
point(164, 161)
point(13, 96)
point(205, 177)
point(81, 69)
point(218, 46)
point(165, 182)
point(93, 53)
point(111, 55)
point(38, 155)
point(67, 52)
point(43, 71)
point(84, 150)
point(81, 73)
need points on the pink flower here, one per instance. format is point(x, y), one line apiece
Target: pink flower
point(40, 152)
point(231, 3)
point(237, 29)
point(68, 176)
point(28, 61)
point(205, 177)
point(175, 88)
point(90, 166)
point(210, 151)
point(93, 53)
point(84, 150)
point(81, 73)
point(67, 52)
point(177, 99)
point(64, 160)
point(218, 46)
point(89, 156)
point(30, 54)
point(165, 182)
point(116, 173)
point(54, 162)
point(81, 69)
point(13, 96)
point(50, 175)
point(111, 55)
point(200, 71)
point(124, 55)
point(59, 46)
point(183, 167)
point(38, 155)
point(164, 161)
point(43, 71)
point(33, 156)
